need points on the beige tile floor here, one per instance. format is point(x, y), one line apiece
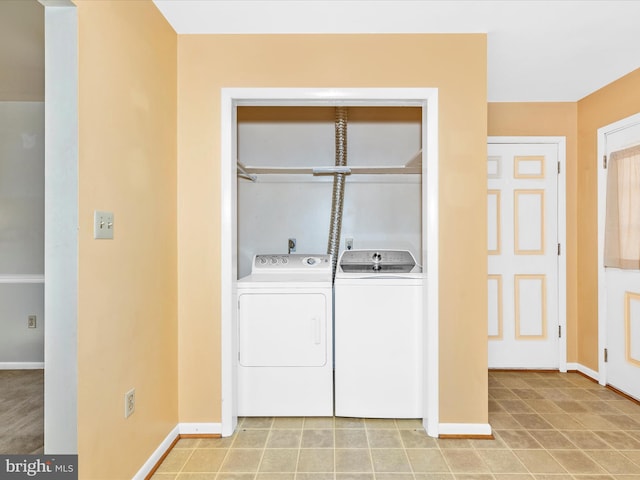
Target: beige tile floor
point(547, 426)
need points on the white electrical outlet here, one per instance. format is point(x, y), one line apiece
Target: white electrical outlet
point(103, 225)
point(129, 403)
point(32, 321)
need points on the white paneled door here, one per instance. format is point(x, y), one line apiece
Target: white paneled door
point(522, 207)
point(620, 312)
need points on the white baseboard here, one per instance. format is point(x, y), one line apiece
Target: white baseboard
point(200, 428)
point(582, 369)
point(157, 454)
point(464, 429)
point(21, 365)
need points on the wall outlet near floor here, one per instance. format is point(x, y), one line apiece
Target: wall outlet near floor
point(129, 403)
point(32, 321)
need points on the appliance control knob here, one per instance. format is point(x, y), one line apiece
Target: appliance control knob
point(263, 261)
point(311, 261)
point(274, 260)
point(376, 257)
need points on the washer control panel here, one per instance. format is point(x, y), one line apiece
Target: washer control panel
point(290, 262)
point(379, 261)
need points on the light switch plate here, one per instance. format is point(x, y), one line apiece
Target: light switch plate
point(103, 225)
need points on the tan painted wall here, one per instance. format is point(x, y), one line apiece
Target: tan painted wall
point(551, 119)
point(456, 64)
point(614, 102)
point(127, 300)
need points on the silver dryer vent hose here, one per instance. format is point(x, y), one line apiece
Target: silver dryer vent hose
point(339, 179)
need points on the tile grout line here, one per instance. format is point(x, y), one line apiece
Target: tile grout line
point(229, 448)
point(295, 474)
point(536, 440)
point(264, 448)
point(547, 451)
point(446, 462)
point(404, 449)
point(366, 436)
point(185, 462)
point(335, 466)
point(508, 446)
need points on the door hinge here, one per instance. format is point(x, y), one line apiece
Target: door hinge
point(606, 355)
point(558, 168)
point(559, 331)
point(559, 250)
point(604, 161)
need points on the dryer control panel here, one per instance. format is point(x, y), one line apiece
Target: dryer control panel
point(290, 263)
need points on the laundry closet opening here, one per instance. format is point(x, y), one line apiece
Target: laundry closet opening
point(314, 181)
point(278, 152)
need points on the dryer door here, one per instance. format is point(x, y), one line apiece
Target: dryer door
point(285, 329)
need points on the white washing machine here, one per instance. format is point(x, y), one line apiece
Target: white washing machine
point(378, 335)
point(285, 364)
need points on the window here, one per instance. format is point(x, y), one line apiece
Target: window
point(622, 224)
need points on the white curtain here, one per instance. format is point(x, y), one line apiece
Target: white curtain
point(622, 225)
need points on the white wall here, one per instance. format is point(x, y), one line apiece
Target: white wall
point(22, 188)
point(20, 346)
point(21, 232)
point(380, 211)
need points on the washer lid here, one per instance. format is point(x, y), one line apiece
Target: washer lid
point(377, 261)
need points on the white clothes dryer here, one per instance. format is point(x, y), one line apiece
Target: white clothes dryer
point(285, 361)
point(378, 335)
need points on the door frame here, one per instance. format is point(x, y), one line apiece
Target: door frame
point(61, 228)
point(561, 143)
point(627, 122)
point(231, 98)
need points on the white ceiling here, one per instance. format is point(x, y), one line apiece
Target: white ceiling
point(538, 50)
